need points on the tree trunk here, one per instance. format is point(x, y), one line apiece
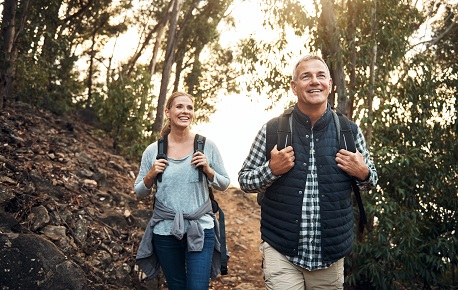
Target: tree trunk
point(166, 72)
point(329, 37)
point(352, 10)
point(90, 73)
point(6, 55)
point(159, 36)
point(370, 97)
point(178, 71)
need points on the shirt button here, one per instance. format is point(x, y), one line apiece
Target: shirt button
point(297, 221)
point(300, 192)
point(307, 136)
point(313, 195)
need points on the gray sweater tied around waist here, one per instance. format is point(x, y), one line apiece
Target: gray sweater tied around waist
point(147, 260)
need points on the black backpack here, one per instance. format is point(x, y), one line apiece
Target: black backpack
point(199, 144)
point(346, 141)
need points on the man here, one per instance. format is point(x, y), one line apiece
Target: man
point(306, 211)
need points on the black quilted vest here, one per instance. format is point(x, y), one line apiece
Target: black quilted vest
point(281, 207)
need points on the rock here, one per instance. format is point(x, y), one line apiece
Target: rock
point(55, 233)
point(39, 217)
point(31, 262)
point(6, 195)
point(69, 218)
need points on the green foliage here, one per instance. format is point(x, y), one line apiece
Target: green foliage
point(124, 112)
point(267, 67)
point(413, 239)
point(45, 69)
point(62, 63)
point(205, 67)
point(43, 87)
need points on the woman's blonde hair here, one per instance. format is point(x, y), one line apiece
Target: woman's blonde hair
point(168, 105)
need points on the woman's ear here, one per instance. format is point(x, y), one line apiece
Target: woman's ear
point(167, 113)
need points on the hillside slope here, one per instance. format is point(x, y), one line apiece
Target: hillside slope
point(67, 195)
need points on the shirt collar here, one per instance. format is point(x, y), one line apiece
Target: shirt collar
point(305, 121)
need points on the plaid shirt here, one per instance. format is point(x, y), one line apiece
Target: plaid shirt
point(256, 176)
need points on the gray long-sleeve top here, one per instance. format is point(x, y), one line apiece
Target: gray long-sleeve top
point(180, 189)
point(181, 203)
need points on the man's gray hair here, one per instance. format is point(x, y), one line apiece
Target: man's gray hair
point(307, 58)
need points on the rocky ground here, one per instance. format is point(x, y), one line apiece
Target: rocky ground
point(69, 218)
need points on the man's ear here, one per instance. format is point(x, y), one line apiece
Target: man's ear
point(293, 87)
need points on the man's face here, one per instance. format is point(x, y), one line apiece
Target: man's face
point(313, 83)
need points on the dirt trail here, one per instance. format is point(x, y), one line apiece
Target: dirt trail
point(242, 215)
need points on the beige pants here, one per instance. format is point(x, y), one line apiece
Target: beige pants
point(281, 274)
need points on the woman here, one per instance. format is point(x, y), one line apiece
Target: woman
point(180, 237)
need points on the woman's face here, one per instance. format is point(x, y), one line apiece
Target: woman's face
point(181, 112)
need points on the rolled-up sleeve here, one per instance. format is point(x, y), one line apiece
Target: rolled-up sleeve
point(370, 183)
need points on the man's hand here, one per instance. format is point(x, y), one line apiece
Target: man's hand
point(352, 163)
point(281, 161)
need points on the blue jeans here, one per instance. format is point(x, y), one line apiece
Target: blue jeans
point(185, 270)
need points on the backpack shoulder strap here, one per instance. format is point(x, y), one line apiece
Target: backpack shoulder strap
point(199, 145)
point(337, 122)
point(284, 130)
point(347, 142)
point(162, 146)
point(345, 137)
point(283, 134)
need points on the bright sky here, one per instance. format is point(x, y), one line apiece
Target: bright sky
point(233, 127)
point(237, 118)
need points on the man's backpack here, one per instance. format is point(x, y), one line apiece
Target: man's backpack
point(344, 137)
point(199, 144)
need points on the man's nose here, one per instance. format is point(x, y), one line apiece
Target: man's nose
point(314, 79)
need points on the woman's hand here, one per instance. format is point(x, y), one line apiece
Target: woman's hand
point(157, 168)
point(200, 160)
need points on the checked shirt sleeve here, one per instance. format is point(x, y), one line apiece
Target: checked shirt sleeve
point(370, 183)
point(255, 175)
